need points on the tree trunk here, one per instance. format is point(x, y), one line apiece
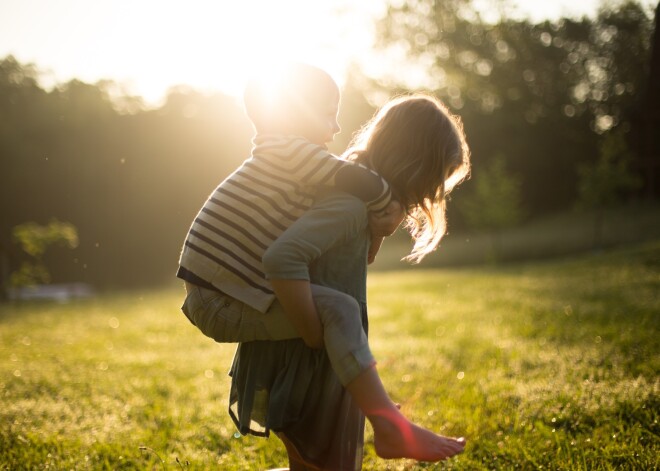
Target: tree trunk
point(651, 118)
point(4, 273)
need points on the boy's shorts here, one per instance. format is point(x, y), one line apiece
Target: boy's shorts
point(228, 320)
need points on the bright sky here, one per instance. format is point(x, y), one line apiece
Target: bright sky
point(150, 45)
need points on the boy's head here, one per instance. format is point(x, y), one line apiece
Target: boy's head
point(298, 99)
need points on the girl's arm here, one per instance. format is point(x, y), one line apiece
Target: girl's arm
point(287, 260)
point(385, 214)
point(295, 296)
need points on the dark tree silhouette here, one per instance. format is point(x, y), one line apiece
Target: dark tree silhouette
point(541, 95)
point(130, 179)
point(650, 149)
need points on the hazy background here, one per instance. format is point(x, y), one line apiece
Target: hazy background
point(151, 45)
point(120, 117)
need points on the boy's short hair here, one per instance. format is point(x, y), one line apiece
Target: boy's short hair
point(284, 99)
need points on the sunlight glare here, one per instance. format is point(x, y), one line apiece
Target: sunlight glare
point(229, 42)
point(150, 46)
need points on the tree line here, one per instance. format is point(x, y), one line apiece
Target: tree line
point(543, 96)
point(545, 106)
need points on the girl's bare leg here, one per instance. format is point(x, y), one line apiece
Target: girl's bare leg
point(394, 435)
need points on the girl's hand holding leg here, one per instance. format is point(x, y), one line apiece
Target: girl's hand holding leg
point(295, 296)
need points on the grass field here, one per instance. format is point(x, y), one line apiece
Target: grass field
point(551, 365)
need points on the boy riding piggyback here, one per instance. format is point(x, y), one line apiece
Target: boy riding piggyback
point(294, 115)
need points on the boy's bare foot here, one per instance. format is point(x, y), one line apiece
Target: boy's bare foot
point(397, 437)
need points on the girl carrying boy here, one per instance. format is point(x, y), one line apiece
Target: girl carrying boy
point(230, 300)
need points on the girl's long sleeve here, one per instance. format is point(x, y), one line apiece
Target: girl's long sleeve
point(336, 219)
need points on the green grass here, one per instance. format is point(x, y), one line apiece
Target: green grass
point(550, 365)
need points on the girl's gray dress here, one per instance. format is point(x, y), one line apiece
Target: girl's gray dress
point(287, 387)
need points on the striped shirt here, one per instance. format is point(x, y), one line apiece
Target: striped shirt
point(254, 205)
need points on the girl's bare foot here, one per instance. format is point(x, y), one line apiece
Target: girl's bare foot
point(397, 437)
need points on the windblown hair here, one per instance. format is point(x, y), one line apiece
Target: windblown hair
point(285, 99)
point(417, 145)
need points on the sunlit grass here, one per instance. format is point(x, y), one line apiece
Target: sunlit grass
point(544, 366)
point(91, 382)
point(550, 365)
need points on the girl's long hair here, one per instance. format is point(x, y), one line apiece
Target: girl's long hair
point(417, 145)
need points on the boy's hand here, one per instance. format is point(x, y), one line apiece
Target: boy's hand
point(374, 246)
point(385, 222)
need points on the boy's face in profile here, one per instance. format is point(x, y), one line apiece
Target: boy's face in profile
point(322, 127)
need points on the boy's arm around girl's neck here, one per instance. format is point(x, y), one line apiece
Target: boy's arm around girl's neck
point(364, 184)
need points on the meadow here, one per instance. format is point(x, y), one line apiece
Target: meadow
point(545, 365)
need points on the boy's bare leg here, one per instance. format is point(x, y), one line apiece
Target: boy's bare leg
point(394, 435)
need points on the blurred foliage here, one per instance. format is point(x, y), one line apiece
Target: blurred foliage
point(34, 239)
point(606, 181)
point(539, 94)
point(131, 183)
point(495, 202)
point(131, 179)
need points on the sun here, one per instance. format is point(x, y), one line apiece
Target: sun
point(219, 45)
point(151, 45)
